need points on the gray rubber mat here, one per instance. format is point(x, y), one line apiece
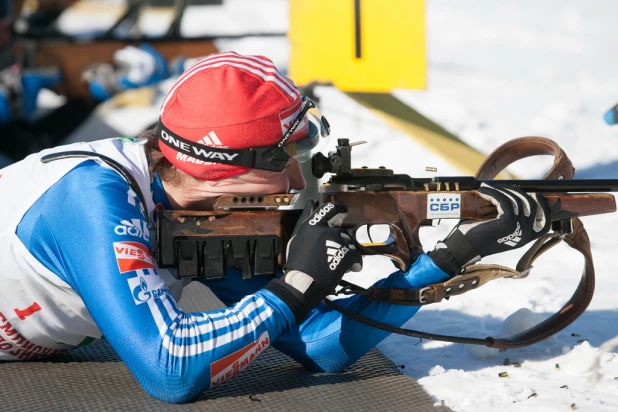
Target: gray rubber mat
point(94, 378)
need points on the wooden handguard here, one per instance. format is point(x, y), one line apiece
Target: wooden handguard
point(578, 239)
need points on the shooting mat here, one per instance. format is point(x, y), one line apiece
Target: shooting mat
point(94, 378)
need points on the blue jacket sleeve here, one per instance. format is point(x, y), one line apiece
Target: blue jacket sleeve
point(330, 341)
point(87, 231)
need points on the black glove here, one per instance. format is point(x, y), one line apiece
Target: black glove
point(521, 219)
point(318, 255)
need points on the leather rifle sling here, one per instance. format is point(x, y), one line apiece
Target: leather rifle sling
point(578, 239)
point(479, 274)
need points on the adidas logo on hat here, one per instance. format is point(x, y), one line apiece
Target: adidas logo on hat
point(230, 101)
point(211, 140)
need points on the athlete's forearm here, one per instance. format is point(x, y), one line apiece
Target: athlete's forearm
point(329, 341)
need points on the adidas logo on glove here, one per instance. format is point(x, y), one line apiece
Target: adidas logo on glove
point(512, 239)
point(335, 253)
point(321, 213)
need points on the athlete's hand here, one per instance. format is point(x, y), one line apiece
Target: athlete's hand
point(521, 219)
point(318, 255)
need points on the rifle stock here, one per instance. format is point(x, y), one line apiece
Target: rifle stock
point(73, 57)
point(248, 233)
point(243, 226)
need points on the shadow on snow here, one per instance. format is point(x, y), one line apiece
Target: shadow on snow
point(418, 357)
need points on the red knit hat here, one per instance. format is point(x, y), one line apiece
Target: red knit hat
point(227, 100)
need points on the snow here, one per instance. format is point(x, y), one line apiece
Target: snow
point(496, 71)
point(236, 17)
point(90, 17)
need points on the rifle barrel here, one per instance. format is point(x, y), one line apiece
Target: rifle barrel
point(405, 182)
point(575, 185)
point(536, 185)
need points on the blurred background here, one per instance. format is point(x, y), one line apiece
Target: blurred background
point(438, 83)
point(456, 80)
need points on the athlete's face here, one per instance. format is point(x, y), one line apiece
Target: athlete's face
point(265, 182)
point(262, 181)
point(194, 194)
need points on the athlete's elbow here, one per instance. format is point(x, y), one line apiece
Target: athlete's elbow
point(323, 364)
point(172, 389)
point(330, 367)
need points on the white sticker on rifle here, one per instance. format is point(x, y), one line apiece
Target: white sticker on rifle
point(443, 206)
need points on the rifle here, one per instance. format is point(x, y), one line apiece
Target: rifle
point(251, 232)
point(39, 42)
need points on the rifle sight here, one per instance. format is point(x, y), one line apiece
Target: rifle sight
point(337, 163)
